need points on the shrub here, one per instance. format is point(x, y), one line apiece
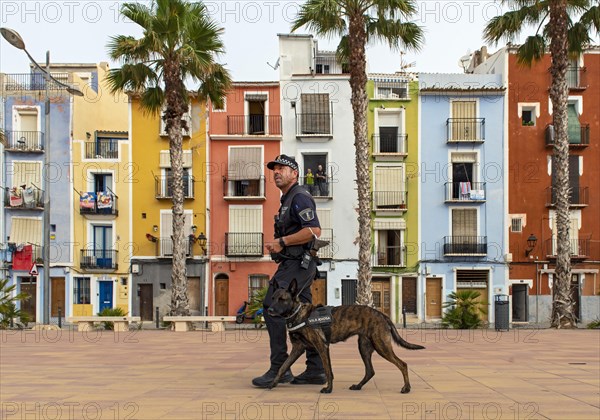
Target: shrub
point(594, 324)
point(111, 312)
point(8, 305)
point(465, 310)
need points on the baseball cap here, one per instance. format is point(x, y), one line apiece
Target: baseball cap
point(283, 160)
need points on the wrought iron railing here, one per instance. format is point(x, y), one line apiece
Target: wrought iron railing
point(99, 259)
point(246, 244)
point(32, 81)
point(165, 246)
point(24, 198)
point(390, 144)
point(24, 141)
point(314, 124)
point(254, 124)
point(244, 188)
point(578, 248)
point(102, 202)
point(102, 149)
point(578, 197)
point(318, 189)
point(465, 191)
point(465, 245)
point(328, 251)
point(390, 200)
point(389, 256)
point(576, 77)
point(465, 129)
point(329, 64)
point(163, 187)
point(577, 137)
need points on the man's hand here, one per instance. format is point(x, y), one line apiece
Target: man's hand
point(273, 247)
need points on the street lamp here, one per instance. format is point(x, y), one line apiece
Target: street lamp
point(16, 41)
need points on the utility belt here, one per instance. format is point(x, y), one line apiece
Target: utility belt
point(295, 252)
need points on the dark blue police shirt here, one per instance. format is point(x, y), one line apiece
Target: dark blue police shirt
point(301, 208)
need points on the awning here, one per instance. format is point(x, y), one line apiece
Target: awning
point(256, 97)
point(25, 230)
point(382, 224)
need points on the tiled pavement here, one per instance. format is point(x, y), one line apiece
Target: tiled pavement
point(204, 375)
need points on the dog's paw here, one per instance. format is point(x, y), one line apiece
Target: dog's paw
point(326, 390)
point(405, 389)
point(356, 387)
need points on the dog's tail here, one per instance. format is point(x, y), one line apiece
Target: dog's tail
point(401, 341)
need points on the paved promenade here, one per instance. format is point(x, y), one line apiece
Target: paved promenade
point(527, 374)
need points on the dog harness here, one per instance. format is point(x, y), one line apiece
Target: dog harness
point(320, 318)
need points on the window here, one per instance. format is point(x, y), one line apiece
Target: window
point(245, 231)
point(464, 125)
point(323, 69)
point(516, 224)
point(391, 90)
point(186, 121)
point(317, 187)
point(256, 113)
point(81, 291)
point(389, 190)
point(528, 112)
point(256, 282)
point(464, 223)
point(188, 183)
point(528, 118)
point(166, 231)
point(389, 248)
point(316, 114)
point(244, 172)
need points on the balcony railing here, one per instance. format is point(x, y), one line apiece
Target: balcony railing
point(24, 141)
point(99, 259)
point(101, 203)
point(578, 197)
point(163, 187)
point(32, 81)
point(243, 244)
point(576, 77)
point(465, 130)
point(318, 190)
point(328, 64)
point(390, 144)
point(314, 125)
point(328, 251)
point(102, 149)
point(165, 246)
point(465, 245)
point(244, 188)
point(577, 138)
point(390, 200)
point(578, 248)
point(258, 125)
point(389, 256)
point(27, 198)
point(465, 191)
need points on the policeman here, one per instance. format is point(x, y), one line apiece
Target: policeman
point(296, 226)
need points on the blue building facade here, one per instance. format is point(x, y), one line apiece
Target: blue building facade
point(462, 200)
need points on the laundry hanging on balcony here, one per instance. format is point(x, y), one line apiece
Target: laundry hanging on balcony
point(104, 200)
point(28, 196)
point(16, 197)
point(87, 200)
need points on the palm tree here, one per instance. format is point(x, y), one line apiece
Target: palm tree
point(358, 22)
point(557, 30)
point(180, 43)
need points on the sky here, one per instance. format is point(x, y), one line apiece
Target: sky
point(78, 32)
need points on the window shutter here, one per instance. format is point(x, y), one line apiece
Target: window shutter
point(389, 185)
point(27, 173)
point(165, 159)
point(245, 163)
point(464, 222)
point(315, 113)
point(464, 125)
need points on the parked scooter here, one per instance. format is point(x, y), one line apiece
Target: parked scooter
point(242, 315)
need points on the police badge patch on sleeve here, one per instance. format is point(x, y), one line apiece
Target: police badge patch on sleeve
point(307, 215)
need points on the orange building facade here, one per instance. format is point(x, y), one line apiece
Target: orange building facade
point(243, 136)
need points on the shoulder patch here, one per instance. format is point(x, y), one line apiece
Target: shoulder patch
point(307, 215)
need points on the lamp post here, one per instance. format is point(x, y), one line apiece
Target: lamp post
point(16, 41)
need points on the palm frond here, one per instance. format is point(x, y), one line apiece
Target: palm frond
point(214, 85)
point(396, 34)
point(321, 17)
point(152, 99)
point(578, 38)
point(591, 19)
point(134, 77)
point(533, 49)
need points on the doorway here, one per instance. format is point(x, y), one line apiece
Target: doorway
point(146, 302)
point(28, 306)
point(318, 289)
point(57, 296)
point(575, 296)
point(433, 297)
point(409, 294)
point(520, 308)
point(195, 295)
point(105, 295)
point(381, 295)
point(222, 295)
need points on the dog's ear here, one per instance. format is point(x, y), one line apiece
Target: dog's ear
point(293, 288)
point(275, 284)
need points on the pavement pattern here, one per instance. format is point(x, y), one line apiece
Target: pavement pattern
point(462, 374)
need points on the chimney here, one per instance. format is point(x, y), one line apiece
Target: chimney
point(484, 54)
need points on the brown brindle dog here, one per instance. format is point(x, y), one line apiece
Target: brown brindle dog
point(375, 332)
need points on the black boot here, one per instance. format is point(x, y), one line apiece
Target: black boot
point(265, 380)
point(310, 378)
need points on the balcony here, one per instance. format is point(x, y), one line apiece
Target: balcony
point(464, 192)
point(163, 187)
point(25, 141)
point(100, 203)
point(255, 125)
point(390, 145)
point(314, 125)
point(102, 149)
point(99, 259)
point(17, 82)
point(31, 198)
point(465, 130)
point(578, 197)
point(247, 244)
point(319, 191)
point(165, 247)
point(327, 63)
point(577, 138)
point(459, 246)
point(389, 200)
point(328, 251)
point(576, 78)
point(389, 256)
point(579, 249)
point(244, 189)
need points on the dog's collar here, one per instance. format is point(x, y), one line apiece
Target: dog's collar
point(295, 312)
point(290, 324)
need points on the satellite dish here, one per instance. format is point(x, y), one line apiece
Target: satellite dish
point(463, 62)
point(276, 66)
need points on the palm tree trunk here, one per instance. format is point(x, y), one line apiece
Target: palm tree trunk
point(176, 107)
point(562, 305)
point(358, 82)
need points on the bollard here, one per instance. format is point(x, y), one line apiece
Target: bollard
point(404, 316)
point(59, 317)
point(157, 319)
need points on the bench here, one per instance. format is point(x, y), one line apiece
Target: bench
point(86, 323)
point(182, 323)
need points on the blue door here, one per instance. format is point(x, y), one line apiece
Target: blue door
point(103, 246)
point(105, 292)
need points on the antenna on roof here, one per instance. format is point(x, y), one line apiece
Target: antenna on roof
point(403, 64)
point(276, 66)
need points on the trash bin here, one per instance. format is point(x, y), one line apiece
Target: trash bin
point(501, 312)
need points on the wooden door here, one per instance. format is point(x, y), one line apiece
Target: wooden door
point(146, 302)
point(433, 296)
point(58, 296)
point(221, 297)
point(195, 294)
point(409, 294)
point(381, 296)
point(28, 306)
point(318, 289)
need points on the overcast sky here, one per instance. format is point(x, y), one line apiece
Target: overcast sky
point(78, 31)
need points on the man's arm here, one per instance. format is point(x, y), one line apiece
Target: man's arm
point(303, 236)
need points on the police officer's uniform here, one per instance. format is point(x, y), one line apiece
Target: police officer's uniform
point(297, 211)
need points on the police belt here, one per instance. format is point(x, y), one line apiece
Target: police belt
point(293, 252)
